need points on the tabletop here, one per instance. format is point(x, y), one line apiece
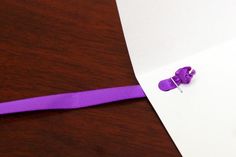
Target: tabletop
point(50, 47)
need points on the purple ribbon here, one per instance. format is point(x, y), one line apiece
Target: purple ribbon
point(73, 100)
point(93, 97)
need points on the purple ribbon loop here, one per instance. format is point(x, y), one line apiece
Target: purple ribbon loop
point(182, 76)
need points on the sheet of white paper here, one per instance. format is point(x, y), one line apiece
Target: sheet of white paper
point(164, 35)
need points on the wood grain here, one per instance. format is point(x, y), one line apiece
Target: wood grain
point(49, 47)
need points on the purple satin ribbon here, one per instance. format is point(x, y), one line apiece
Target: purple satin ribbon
point(73, 100)
point(93, 97)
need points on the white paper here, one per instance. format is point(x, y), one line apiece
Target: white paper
point(164, 35)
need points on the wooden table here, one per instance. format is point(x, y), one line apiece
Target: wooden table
point(49, 47)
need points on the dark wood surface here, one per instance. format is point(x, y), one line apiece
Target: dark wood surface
point(49, 47)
